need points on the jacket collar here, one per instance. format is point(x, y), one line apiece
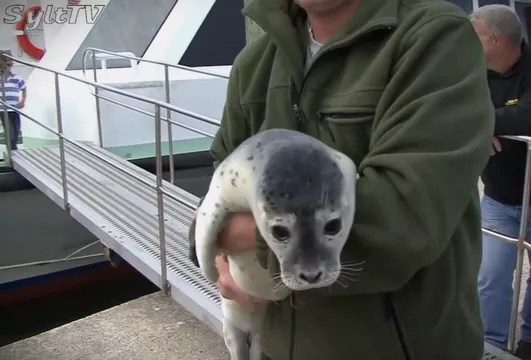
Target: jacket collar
point(262, 11)
point(523, 62)
point(285, 23)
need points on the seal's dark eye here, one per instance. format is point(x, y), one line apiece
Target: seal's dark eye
point(281, 233)
point(333, 227)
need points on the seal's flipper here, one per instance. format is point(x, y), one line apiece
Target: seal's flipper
point(236, 340)
point(210, 217)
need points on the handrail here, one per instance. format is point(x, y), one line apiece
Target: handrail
point(161, 63)
point(88, 150)
point(144, 112)
point(103, 58)
point(520, 241)
point(166, 66)
point(522, 138)
point(161, 191)
point(112, 89)
point(165, 105)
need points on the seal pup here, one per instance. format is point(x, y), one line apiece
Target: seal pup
point(301, 193)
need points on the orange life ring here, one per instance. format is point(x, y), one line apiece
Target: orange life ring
point(23, 40)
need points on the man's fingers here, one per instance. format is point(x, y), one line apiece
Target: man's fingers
point(225, 281)
point(222, 263)
point(224, 290)
point(497, 144)
point(229, 289)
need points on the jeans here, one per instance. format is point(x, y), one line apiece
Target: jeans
point(497, 272)
point(14, 122)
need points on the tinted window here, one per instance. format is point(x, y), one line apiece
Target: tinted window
point(124, 25)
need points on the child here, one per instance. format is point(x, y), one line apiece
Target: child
point(14, 87)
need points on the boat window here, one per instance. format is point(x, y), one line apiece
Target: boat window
point(124, 26)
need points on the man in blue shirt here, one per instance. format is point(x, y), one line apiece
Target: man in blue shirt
point(16, 93)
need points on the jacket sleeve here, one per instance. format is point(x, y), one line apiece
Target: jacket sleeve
point(232, 131)
point(430, 142)
point(515, 119)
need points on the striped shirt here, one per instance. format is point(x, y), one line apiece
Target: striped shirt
point(14, 85)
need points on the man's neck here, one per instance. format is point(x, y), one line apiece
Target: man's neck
point(324, 25)
point(505, 63)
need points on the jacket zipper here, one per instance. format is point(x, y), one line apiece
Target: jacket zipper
point(297, 94)
point(300, 118)
point(292, 331)
point(397, 326)
point(298, 114)
point(341, 117)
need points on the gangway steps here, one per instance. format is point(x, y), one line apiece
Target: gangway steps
point(122, 212)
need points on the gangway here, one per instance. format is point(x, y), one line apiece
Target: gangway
point(128, 208)
point(138, 215)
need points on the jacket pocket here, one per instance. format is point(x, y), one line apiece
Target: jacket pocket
point(346, 117)
point(349, 129)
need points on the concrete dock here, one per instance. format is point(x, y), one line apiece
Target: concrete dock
point(151, 327)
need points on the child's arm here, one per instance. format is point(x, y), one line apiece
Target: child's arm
point(23, 89)
point(23, 100)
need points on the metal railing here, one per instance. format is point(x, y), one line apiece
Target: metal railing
point(520, 242)
point(157, 186)
point(103, 58)
point(167, 66)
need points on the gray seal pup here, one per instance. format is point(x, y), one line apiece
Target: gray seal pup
point(301, 193)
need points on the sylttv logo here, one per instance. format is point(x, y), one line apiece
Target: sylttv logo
point(49, 14)
point(26, 19)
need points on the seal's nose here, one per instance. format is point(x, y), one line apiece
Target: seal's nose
point(310, 277)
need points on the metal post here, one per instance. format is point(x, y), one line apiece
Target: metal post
point(61, 144)
point(520, 254)
point(168, 116)
point(7, 123)
point(160, 201)
point(96, 96)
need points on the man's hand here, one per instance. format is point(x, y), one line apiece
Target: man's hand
point(21, 105)
point(496, 146)
point(238, 233)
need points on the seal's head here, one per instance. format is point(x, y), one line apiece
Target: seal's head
point(306, 203)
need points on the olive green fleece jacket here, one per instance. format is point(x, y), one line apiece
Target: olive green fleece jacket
point(402, 90)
